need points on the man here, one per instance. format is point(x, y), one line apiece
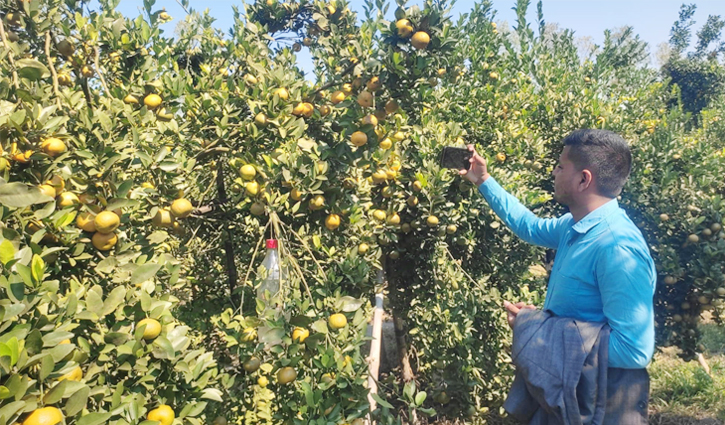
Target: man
point(603, 271)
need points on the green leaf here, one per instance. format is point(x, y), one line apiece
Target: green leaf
point(65, 389)
point(77, 401)
point(11, 409)
point(116, 338)
point(420, 398)
point(34, 342)
point(7, 251)
point(144, 273)
point(307, 389)
point(104, 120)
point(8, 312)
point(381, 401)
point(212, 394)
point(350, 304)
point(10, 349)
point(46, 367)
point(94, 419)
point(163, 348)
point(60, 351)
point(320, 326)
point(20, 195)
point(32, 69)
point(114, 299)
point(107, 265)
point(38, 268)
point(54, 338)
point(4, 392)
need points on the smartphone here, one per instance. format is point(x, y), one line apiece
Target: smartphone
point(455, 158)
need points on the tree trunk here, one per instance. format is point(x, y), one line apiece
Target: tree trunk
point(232, 275)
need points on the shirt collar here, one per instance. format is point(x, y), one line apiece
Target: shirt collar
point(593, 218)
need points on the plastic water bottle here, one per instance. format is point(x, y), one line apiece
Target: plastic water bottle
point(270, 285)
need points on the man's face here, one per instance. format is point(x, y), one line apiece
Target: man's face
point(566, 179)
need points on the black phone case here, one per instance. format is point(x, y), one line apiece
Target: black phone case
point(455, 158)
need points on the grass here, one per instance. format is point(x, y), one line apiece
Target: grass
point(683, 393)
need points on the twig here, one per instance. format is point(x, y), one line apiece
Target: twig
point(307, 247)
point(334, 83)
point(10, 55)
point(184, 7)
point(254, 255)
point(52, 68)
point(98, 70)
point(463, 271)
point(301, 274)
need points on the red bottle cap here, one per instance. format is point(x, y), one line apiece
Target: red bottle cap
point(271, 243)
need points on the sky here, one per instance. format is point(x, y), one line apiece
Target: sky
point(651, 19)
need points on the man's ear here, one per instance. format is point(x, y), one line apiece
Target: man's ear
point(587, 179)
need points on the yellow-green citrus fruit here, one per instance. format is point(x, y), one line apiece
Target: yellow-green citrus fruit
point(181, 208)
point(163, 414)
point(44, 416)
point(337, 321)
point(152, 101)
point(106, 222)
point(286, 375)
point(152, 330)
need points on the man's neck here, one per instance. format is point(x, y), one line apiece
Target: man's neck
point(592, 203)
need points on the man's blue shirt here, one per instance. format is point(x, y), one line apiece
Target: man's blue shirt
point(603, 271)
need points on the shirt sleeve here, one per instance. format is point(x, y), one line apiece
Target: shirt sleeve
point(524, 223)
point(625, 276)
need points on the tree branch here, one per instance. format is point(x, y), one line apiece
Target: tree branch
point(232, 276)
point(98, 70)
point(48, 38)
point(4, 38)
point(326, 86)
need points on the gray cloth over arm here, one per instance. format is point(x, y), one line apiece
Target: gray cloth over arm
point(561, 370)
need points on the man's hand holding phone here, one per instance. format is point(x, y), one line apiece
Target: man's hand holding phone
point(477, 173)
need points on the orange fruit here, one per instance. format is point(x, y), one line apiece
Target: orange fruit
point(332, 221)
point(74, 375)
point(337, 97)
point(359, 138)
point(405, 29)
point(163, 218)
point(317, 202)
point(44, 416)
point(104, 241)
point(53, 146)
point(152, 101)
point(286, 375)
point(181, 208)
point(85, 221)
point(251, 365)
point(163, 414)
point(152, 329)
point(47, 190)
point(420, 40)
point(337, 321)
point(365, 99)
point(106, 222)
point(300, 334)
point(370, 120)
point(391, 106)
point(67, 199)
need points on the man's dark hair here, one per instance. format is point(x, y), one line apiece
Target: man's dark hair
point(604, 153)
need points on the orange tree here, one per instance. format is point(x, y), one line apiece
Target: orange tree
point(516, 94)
point(140, 171)
point(141, 174)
